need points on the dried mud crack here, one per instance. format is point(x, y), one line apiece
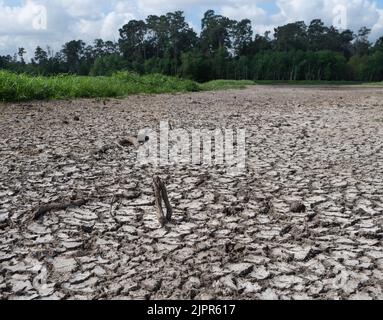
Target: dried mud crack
point(304, 221)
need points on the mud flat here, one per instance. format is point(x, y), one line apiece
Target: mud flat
point(304, 221)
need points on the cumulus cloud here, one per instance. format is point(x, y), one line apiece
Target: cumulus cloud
point(160, 6)
point(377, 29)
point(358, 12)
point(355, 13)
point(15, 20)
point(90, 19)
point(65, 20)
point(260, 18)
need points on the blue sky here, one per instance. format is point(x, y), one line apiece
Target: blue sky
point(29, 23)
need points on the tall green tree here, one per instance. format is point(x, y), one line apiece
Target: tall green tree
point(316, 34)
point(21, 52)
point(181, 37)
point(132, 40)
point(362, 44)
point(215, 34)
point(242, 35)
point(41, 56)
point(292, 36)
point(72, 54)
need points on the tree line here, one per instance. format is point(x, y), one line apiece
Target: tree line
point(224, 49)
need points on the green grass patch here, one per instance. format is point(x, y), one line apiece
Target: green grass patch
point(307, 82)
point(373, 84)
point(225, 84)
point(21, 87)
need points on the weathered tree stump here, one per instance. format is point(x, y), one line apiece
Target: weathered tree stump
point(161, 194)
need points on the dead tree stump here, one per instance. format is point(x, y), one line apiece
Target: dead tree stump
point(161, 193)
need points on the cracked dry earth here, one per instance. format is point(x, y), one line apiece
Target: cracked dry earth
point(232, 237)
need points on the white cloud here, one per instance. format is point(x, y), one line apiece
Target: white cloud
point(250, 11)
point(377, 30)
point(358, 13)
point(16, 19)
point(162, 6)
point(83, 8)
point(66, 20)
point(259, 17)
point(106, 28)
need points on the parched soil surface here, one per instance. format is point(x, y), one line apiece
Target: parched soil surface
point(304, 221)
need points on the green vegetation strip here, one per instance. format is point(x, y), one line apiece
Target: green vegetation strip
point(308, 82)
point(318, 83)
point(22, 87)
point(226, 84)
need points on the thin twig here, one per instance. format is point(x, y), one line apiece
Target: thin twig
point(58, 206)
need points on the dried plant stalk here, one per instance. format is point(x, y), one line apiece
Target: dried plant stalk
point(161, 193)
